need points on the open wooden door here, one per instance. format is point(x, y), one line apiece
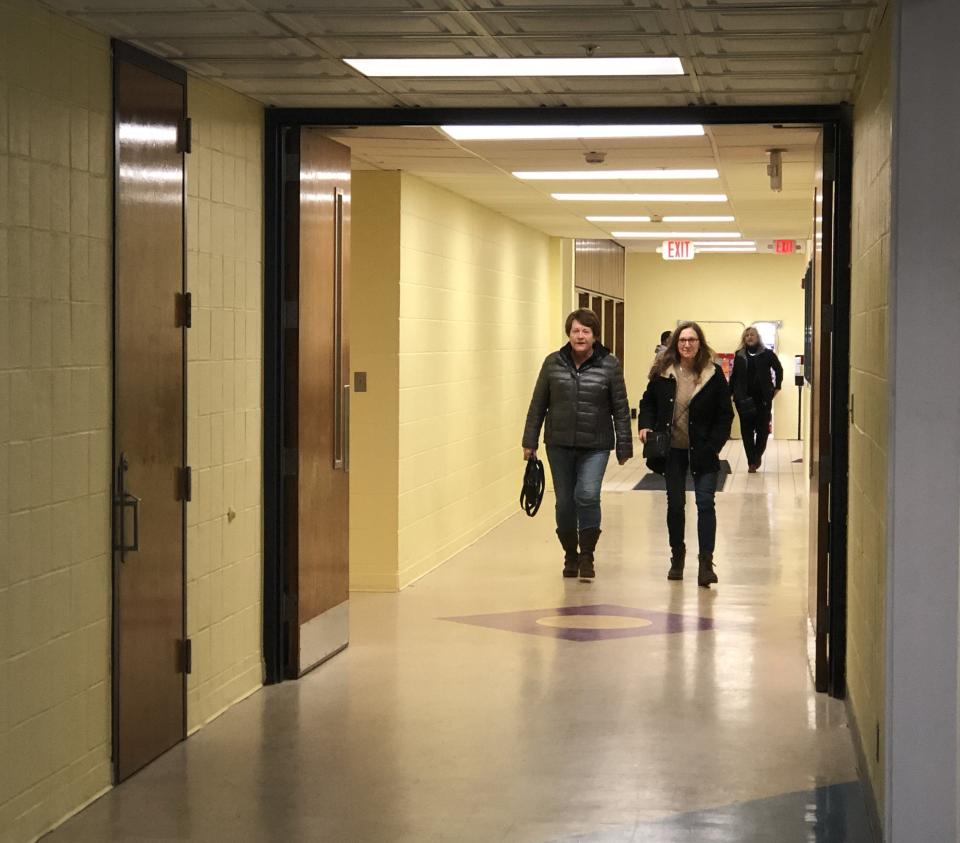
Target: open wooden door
point(149, 647)
point(316, 427)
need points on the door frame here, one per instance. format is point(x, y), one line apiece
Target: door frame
point(837, 119)
point(123, 52)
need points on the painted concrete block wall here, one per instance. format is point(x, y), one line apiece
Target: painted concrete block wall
point(224, 403)
point(714, 289)
point(374, 349)
point(869, 385)
point(55, 188)
point(475, 305)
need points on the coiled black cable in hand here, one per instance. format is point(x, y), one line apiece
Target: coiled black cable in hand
point(534, 483)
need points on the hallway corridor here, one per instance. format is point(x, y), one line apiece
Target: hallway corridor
point(495, 701)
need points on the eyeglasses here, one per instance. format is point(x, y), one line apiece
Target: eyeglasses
point(684, 340)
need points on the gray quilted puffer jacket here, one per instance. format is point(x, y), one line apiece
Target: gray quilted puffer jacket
point(585, 408)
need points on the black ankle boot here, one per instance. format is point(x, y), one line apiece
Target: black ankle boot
point(588, 542)
point(706, 574)
point(678, 556)
point(571, 559)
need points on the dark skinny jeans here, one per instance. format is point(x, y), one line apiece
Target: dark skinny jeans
point(705, 488)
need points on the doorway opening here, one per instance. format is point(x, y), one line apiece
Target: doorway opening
point(829, 214)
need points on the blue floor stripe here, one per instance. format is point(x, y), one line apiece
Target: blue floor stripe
point(831, 814)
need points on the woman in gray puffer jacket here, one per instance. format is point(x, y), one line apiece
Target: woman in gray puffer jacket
point(582, 395)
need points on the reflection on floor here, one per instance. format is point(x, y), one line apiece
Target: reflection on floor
point(780, 473)
point(495, 701)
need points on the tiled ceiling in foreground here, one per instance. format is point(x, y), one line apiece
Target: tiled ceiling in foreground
point(288, 52)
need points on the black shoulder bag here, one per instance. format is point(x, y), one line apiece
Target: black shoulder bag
point(657, 446)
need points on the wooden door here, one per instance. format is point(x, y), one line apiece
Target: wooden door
point(317, 402)
point(149, 415)
point(820, 406)
point(619, 334)
point(608, 326)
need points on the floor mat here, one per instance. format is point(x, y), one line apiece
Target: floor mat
point(658, 483)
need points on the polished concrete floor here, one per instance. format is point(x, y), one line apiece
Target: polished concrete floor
point(495, 701)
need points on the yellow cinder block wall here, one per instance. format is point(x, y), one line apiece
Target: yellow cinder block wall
point(870, 390)
point(374, 349)
point(719, 291)
point(453, 309)
point(475, 309)
point(55, 247)
point(224, 401)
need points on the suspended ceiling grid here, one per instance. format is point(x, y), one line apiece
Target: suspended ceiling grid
point(288, 52)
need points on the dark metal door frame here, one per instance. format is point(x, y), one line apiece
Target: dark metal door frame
point(125, 53)
point(836, 119)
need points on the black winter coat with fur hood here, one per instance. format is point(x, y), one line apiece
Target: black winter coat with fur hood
point(583, 408)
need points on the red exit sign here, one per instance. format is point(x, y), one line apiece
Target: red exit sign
point(784, 247)
point(677, 250)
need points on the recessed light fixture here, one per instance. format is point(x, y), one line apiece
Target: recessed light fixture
point(468, 133)
point(672, 235)
point(531, 66)
point(604, 175)
point(618, 219)
point(720, 218)
point(640, 197)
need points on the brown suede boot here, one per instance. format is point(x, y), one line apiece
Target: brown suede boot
point(678, 556)
point(588, 542)
point(571, 559)
point(706, 574)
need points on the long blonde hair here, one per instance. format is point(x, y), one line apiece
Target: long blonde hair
point(743, 338)
point(670, 356)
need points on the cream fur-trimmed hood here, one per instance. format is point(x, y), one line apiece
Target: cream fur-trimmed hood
point(705, 376)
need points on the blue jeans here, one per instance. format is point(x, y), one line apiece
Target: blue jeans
point(704, 487)
point(577, 475)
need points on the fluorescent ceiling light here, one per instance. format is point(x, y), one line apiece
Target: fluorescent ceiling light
point(618, 219)
point(459, 67)
point(640, 197)
point(603, 175)
point(750, 243)
point(728, 249)
point(671, 235)
point(468, 133)
point(698, 219)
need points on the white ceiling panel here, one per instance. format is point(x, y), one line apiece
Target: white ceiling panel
point(288, 53)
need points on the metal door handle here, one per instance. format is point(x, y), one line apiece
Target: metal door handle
point(123, 501)
point(129, 502)
point(346, 427)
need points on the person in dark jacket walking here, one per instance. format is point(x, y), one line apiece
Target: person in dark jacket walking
point(688, 398)
point(755, 381)
point(582, 395)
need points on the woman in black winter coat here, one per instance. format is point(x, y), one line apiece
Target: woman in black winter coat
point(582, 395)
point(688, 399)
point(755, 381)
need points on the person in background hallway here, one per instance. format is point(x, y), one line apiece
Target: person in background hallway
point(664, 339)
point(582, 395)
point(756, 379)
point(688, 397)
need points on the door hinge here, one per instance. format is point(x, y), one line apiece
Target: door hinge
point(186, 484)
point(288, 609)
point(185, 136)
point(290, 461)
point(188, 656)
point(184, 310)
point(828, 318)
point(291, 315)
point(830, 167)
